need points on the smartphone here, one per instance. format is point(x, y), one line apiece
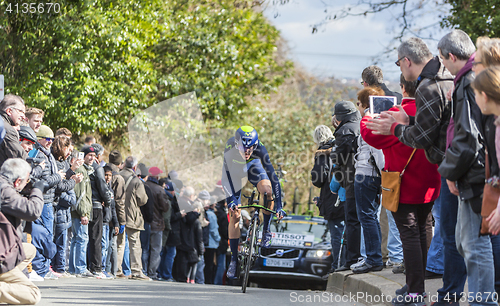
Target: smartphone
point(380, 104)
point(81, 155)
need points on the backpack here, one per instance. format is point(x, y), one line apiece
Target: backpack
point(11, 247)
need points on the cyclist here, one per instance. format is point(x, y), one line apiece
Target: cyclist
point(246, 157)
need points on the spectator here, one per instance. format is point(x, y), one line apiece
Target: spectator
point(200, 262)
point(147, 214)
point(223, 222)
point(89, 140)
point(463, 167)
point(34, 118)
point(135, 197)
point(170, 250)
point(15, 287)
point(12, 111)
point(64, 198)
point(488, 54)
point(213, 237)
point(426, 131)
point(118, 188)
point(161, 205)
point(110, 229)
point(187, 255)
point(329, 207)
point(347, 121)
point(373, 76)
point(369, 162)
point(64, 132)
point(81, 214)
point(27, 138)
point(101, 196)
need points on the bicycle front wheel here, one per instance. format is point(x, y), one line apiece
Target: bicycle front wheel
point(249, 256)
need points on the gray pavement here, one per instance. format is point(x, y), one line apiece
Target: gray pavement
point(377, 288)
point(78, 291)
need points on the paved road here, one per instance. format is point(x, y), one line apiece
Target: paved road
point(77, 291)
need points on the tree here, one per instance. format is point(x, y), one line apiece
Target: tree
point(96, 63)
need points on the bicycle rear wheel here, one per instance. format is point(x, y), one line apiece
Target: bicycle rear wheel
point(249, 256)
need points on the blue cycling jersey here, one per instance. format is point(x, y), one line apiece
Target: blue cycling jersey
point(256, 168)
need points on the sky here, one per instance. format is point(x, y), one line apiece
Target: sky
point(342, 48)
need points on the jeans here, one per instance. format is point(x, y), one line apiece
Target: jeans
point(221, 267)
point(394, 244)
point(167, 262)
point(200, 270)
point(47, 217)
point(145, 237)
point(155, 253)
point(455, 273)
point(366, 190)
point(336, 228)
point(435, 255)
point(495, 244)
point(61, 241)
point(112, 259)
point(352, 234)
point(478, 255)
point(105, 245)
point(411, 220)
point(95, 237)
point(126, 259)
point(78, 249)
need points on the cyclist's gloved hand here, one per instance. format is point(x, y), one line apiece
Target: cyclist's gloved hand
point(232, 204)
point(122, 229)
point(280, 214)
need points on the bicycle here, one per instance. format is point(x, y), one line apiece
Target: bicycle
point(249, 251)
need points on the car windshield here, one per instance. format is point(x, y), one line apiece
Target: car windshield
point(302, 227)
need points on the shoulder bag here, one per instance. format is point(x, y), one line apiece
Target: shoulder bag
point(391, 187)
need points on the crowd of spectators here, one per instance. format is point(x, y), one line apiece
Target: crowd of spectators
point(440, 137)
point(71, 214)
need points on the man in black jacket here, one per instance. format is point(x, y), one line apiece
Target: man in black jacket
point(101, 196)
point(329, 206)
point(463, 166)
point(12, 110)
point(346, 133)
point(373, 76)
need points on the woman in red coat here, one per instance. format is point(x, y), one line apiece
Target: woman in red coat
point(420, 186)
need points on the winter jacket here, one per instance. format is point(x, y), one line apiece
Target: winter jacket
point(16, 208)
point(109, 212)
point(433, 113)
point(10, 147)
point(223, 223)
point(198, 238)
point(48, 174)
point(161, 204)
point(101, 193)
point(135, 197)
point(345, 148)
point(118, 188)
point(62, 214)
point(188, 225)
point(465, 158)
point(214, 237)
point(174, 237)
point(147, 210)
point(421, 182)
point(83, 193)
point(363, 164)
point(321, 177)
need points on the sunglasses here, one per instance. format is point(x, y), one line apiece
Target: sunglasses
point(397, 62)
point(46, 138)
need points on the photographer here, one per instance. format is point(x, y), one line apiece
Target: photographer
point(15, 288)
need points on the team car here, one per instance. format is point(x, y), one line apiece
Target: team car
point(300, 251)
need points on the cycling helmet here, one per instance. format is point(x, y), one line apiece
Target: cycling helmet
point(246, 138)
point(27, 133)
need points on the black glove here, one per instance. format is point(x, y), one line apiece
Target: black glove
point(40, 184)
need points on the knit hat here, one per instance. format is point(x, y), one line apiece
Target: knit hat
point(155, 171)
point(115, 157)
point(88, 149)
point(343, 108)
point(45, 132)
point(204, 195)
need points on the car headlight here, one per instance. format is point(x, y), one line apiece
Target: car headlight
point(318, 253)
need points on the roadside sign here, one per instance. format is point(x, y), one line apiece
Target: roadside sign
point(2, 90)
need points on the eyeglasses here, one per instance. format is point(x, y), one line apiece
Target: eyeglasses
point(476, 63)
point(397, 62)
point(19, 110)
